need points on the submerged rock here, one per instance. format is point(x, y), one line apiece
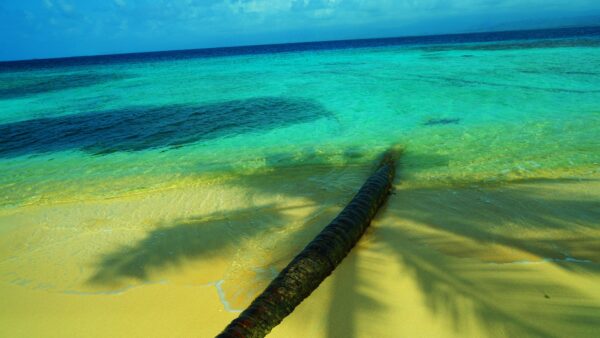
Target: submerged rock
point(444, 121)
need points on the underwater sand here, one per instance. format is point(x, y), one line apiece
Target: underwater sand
point(124, 213)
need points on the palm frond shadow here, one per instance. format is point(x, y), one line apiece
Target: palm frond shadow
point(445, 283)
point(484, 216)
point(437, 253)
point(434, 260)
point(193, 238)
point(447, 288)
point(349, 298)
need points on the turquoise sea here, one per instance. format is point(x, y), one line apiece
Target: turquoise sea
point(466, 111)
point(101, 135)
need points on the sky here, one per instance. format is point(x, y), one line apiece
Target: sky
point(57, 28)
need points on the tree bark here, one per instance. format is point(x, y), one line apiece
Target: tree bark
point(318, 259)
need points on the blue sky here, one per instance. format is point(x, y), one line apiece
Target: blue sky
point(54, 28)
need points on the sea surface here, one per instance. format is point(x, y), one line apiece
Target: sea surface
point(209, 169)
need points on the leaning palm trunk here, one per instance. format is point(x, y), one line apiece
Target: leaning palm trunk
point(317, 261)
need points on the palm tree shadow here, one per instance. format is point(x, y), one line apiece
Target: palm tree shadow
point(341, 316)
point(526, 216)
point(447, 286)
point(349, 299)
point(441, 235)
point(171, 245)
point(435, 257)
point(431, 254)
point(202, 237)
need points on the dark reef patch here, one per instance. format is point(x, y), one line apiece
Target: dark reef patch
point(458, 82)
point(558, 71)
point(527, 44)
point(13, 86)
point(444, 121)
point(140, 128)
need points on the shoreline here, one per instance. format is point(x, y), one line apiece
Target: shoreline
point(476, 236)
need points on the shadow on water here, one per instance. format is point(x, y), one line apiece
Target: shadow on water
point(140, 128)
point(445, 254)
point(12, 87)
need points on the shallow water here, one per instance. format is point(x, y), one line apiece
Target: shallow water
point(164, 189)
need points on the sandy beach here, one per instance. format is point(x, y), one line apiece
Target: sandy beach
point(510, 259)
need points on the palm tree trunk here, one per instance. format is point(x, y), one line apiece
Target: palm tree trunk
point(318, 259)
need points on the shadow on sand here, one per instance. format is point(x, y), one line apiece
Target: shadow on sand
point(455, 227)
point(171, 245)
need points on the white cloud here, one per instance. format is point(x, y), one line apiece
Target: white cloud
point(66, 7)
point(214, 22)
point(262, 6)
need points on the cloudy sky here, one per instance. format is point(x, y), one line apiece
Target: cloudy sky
point(54, 28)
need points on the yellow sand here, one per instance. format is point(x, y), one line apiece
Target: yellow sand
point(520, 259)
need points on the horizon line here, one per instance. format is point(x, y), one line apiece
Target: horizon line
point(474, 32)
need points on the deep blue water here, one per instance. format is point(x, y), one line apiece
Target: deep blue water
point(523, 35)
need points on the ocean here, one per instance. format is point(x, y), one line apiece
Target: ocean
point(168, 188)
